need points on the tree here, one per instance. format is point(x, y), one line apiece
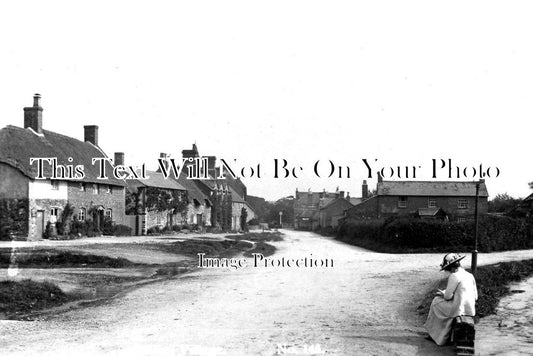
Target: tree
point(244, 218)
point(502, 203)
point(286, 207)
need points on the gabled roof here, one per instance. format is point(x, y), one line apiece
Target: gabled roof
point(235, 197)
point(430, 188)
point(339, 200)
point(18, 145)
point(157, 180)
point(356, 201)
point(307, 214)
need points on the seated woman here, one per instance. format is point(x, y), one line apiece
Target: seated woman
point(458, 299)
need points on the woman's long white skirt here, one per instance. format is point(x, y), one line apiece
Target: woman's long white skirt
point(440, 319)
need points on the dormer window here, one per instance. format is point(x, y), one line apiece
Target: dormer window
point(82, 187)
point(95, 188)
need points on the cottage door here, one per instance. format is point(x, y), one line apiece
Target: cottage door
point(39, 224)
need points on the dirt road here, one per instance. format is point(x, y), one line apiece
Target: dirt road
point(365, 304)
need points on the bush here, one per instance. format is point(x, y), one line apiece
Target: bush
point(401, 234)
point(14, 214)
point(121, 230)
point(154, 230)
point(49, 232)
point(176, 228)
point(108, 228)
point(253, 221)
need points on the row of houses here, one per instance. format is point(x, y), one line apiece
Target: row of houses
point(28, 204)
point(444, 200)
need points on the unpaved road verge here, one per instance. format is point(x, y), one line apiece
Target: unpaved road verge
point(365, 304)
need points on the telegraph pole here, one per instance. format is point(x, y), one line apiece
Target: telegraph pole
point(476, 218)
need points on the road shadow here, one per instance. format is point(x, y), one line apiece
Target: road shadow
point(423, 345)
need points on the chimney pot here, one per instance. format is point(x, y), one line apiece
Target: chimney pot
point(37, 100)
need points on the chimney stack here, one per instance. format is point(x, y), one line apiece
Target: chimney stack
point(211, 168)
point(33, 116)
point(342, 193)
point(380, 178)
point(119, 159)
point(91, 134)
point(365, 190)
point(164, 157)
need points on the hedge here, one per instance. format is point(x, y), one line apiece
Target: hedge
point(495, 233)
point(13, 218)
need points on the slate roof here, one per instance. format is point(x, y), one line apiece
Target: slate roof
point(307, 214)
point(430, 188)
point(158, 180)
point(17, 145)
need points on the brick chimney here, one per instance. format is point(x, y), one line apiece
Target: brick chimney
point(33, 115)
point(119, 159)
point(91, 134)
point(364, 193)
point(341, 193)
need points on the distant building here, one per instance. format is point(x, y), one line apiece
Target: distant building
point(425, 199)
point(320, 209)
point(332, 212)
point(28, 204)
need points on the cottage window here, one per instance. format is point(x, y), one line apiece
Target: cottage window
point(402, 202)
point(54, 184)
point(82, 187)
point(81, 214)
point(461, 220)
point(109, 214)
point(432, 203)
point(54, 214)
point(462, 204)
point(95, 188)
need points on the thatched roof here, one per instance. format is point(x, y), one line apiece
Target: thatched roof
point(18, 145)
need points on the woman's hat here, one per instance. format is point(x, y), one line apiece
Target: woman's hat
point(450, 259)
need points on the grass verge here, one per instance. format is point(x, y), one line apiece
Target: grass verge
point(59, 259)
point(492, 283)
point(21, 297)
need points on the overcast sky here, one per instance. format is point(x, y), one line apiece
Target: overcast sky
point(401, 82)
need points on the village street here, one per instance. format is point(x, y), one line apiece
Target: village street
point(365, 304)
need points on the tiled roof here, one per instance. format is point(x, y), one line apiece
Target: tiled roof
point(18, 145)
point(430, 188)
